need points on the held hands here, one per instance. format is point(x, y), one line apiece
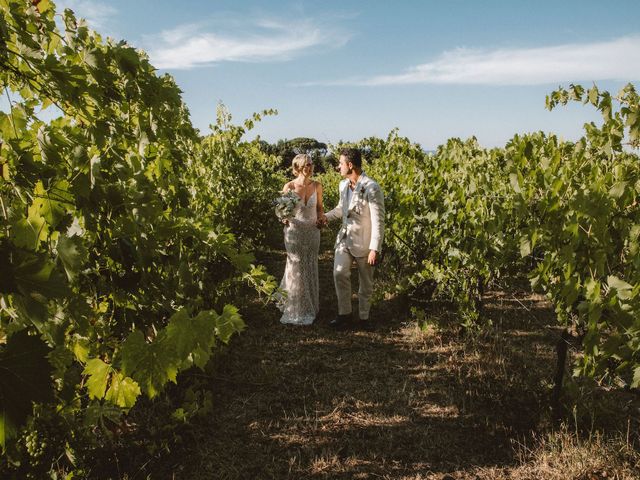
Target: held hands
point(322, 221)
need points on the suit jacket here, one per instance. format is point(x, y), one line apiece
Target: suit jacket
point(362, 218)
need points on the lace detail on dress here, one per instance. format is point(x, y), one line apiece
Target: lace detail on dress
point(300, 279)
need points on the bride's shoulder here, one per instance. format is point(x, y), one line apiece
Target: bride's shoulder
point(287, 186)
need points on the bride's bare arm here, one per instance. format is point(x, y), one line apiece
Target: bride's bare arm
point(319, 204)
point(322, 218)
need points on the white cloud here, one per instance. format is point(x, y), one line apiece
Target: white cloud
point(188, 46)
point(617, 59)
point(96, 13)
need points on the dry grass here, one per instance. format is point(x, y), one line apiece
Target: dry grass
point(563, 455)
point(400, 402)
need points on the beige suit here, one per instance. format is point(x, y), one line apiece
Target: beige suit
point(362, 230)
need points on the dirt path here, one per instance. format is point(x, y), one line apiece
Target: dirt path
point(398, 402)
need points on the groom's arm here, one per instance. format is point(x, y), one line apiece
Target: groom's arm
point(336, 212)
point(376, 209)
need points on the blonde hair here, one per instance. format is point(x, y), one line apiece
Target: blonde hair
point(299, 161)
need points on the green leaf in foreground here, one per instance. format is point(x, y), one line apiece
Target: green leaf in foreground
point(635, 383)
point(192, 336)
point(228, 323)
point(152, 365)
point(623, 289)
point(72, 254)
point(123, 391)
point(29, 232)
point(98, 372)
point(25, 377)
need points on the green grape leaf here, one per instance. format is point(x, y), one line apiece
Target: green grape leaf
point(37, 278)
point(29, 232)
point(43, 6)
point(49, 151)
point(525, 246)
point(204, 326)
point(6, 126)
point(623, 289)
point(81, 350)
point(30, 311)
point(617, 190)
point(180, 334)
point(241, 260)
point(18, 120)
point(128, 59)
point(636, 378)
point(25, 377)
point(192, 336)
point(228, 323)
point(97, 412)
point(98, 373)
point(513, 179)
point(201, 356)
point(123, 391)
point(53, 204)
point(72, 254)
point(592, 95)
point(152, 365)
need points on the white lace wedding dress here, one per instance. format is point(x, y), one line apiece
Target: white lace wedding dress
point(300, 280)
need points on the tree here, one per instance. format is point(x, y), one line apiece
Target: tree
point(287, 149)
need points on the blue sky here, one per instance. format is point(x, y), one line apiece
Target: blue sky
point(344, 70)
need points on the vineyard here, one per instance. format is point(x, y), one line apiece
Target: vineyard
point(135, 252)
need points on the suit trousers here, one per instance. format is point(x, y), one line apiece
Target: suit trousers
point(342, 279)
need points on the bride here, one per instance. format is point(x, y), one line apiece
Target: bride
point(302, 241)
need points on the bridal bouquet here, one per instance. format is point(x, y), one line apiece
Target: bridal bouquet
point(285, 205)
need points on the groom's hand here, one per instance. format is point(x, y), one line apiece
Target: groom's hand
point(371, 260)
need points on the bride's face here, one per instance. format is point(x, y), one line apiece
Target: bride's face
point(307, 170)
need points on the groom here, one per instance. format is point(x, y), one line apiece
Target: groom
point(361, 208)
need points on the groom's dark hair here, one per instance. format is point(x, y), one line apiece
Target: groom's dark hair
point(352, 155)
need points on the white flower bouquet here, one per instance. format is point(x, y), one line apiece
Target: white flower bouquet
point(285, 205)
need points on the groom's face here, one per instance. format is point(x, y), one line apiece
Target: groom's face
point(345, 167)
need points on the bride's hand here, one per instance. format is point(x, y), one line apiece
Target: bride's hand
point(321, 221)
